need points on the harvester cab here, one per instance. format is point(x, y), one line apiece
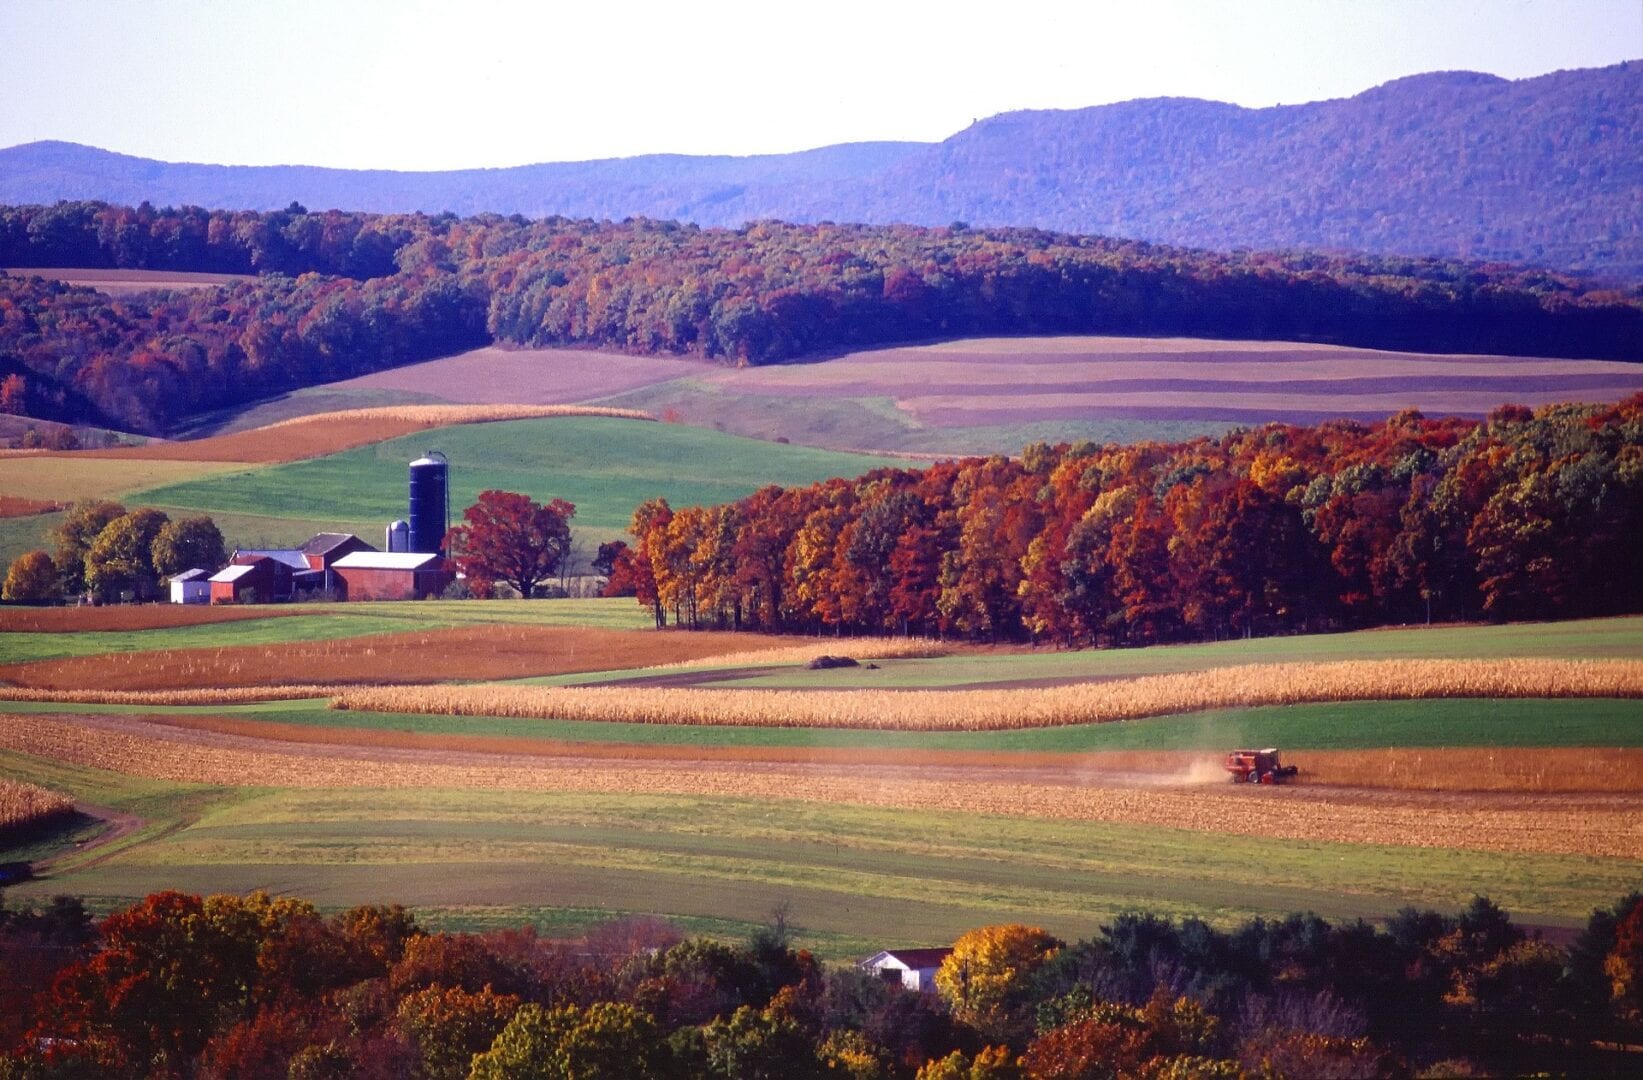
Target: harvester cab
point(1257, 767)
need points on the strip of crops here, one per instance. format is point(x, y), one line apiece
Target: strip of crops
point(25, 807)
point(987, 710)
point(1497, 823)
point(230, 695)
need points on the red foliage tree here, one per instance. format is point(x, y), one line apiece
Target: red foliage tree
point(511, 538)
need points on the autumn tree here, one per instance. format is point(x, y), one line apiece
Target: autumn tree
point(74, 536)
point(188, 543)
point(511, 538)
point(31, 579)
point(983, 980)
point(605, 1041)
point(122, 557)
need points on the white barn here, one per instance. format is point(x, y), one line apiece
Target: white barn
point(191, 587)
point(913, 968)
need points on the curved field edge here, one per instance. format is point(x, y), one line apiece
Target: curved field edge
point(993, 709)
point(853, 876)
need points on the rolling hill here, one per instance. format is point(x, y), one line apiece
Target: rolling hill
point(1545, 170)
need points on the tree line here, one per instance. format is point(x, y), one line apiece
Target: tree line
point(1273, 529)
point(342, 294)
point(249, 987)
point(105, 551)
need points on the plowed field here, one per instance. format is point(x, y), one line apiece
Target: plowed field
point(467, 652)
point(1590, 825)
point(119, 617)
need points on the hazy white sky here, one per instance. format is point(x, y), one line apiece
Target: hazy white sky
point(418, 84)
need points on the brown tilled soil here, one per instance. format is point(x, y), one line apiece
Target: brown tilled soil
point(418, 656)
point(1589, 824)
point(12, 506)
point(1564, 770)
point(85, 620)
point(314, 437)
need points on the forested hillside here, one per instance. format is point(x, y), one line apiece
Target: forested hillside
point(1546, 171)
point(371, 292)
point(1267, 530)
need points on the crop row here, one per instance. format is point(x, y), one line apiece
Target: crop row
point(26, 806)
point(984, 710)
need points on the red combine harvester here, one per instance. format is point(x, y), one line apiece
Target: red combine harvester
point(1257, 767)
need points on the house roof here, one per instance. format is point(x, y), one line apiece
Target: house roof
point(190, 575)
point(324, 542)
point(289, 556)
point(913, 959)
point(233, 573)
point(387, 560)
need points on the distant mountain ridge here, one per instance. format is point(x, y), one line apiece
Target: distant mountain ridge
point(1547, 170)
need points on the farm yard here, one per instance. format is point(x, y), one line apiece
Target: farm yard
point(490, 819)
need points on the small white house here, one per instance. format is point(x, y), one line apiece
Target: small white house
point(913, 968)
point(191, 587)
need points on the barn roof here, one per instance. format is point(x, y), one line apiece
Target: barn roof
point(915, 959)
point(327, 541)
point(191, 575)
point(233, 573)
point(289, 556)
point(387, 560)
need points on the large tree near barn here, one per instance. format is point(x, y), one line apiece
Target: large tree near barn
point(508, 537)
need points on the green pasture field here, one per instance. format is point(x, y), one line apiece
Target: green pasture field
point(327, 622)
point(875, 423)
point(1347, 725)
point(606, 467)
point(1597, 639)
point(854, 879)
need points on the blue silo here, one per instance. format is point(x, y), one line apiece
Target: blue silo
point(430, 502)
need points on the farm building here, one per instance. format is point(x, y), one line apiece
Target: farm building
point(251, 579)
point(913, 968)
point(390, 575)
point(326, 548)
point(191, 587)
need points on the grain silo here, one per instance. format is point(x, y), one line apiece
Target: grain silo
point(430, 502)
point(397, 536)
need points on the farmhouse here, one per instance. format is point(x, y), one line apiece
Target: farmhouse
point(913, 968)
point(191, 587)
point(251, 579)
point(390, 575)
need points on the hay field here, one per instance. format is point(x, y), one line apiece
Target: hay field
point(982, 710)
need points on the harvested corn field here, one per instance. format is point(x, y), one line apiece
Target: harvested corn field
point(1590, 825)
point(466, 652)
point(985, 710)
point(1540, 770)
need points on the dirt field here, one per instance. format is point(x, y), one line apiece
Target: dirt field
point(16, 506)
point(999, 381)
point(496, 375)
point(468, 652)
point(1593, 825)
point(1540, 771)
point(86, 620)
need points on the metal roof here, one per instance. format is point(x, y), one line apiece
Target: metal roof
point(190, 575)
point(289, 556)
point(323, 542)
point(914, 959)
point(386, 560)
point(232, 573)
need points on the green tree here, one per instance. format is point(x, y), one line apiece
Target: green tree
point(605, 1041)
point(31, 578)
point(188, 543)
point(122, 556)
point(74, 536)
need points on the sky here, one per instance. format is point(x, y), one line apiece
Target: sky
point(418, 84)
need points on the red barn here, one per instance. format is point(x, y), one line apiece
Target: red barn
point(391, 575)
point(252, 580)
point(326, 548)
